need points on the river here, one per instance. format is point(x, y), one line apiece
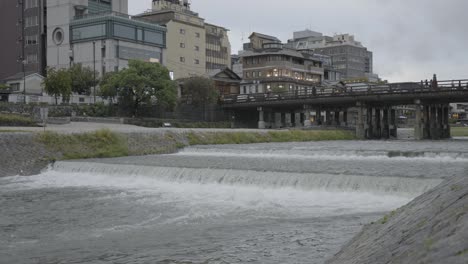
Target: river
point(261, 203)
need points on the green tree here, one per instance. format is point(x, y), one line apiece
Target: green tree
point(201, 90)
point(143, 83)
point(4, 86)
point(109, 85)
point(58, 83)
point(83, 78)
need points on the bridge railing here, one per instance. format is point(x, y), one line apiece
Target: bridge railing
point(348, 90)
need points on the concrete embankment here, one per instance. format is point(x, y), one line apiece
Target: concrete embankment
point(433, 228)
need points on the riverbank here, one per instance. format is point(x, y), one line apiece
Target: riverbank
point(27, 153)
point(433, 228)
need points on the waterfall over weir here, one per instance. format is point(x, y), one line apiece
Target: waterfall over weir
point(262, 203)
point(406, 186)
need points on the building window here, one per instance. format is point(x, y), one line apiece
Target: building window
point(197, 34)
point(139, 34)
point(197, 61)
point(14, 86)
point(182, 45)
point(31, 40)
point(182, 59)
point(88, 32)
point(31, 21)
point(124, 31)
point(82, 99)
point(197, 48)
point(182, 31)
point(31, 58)
point(154, 37)
point(30, 4)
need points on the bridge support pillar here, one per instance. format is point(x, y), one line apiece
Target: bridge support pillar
point(261, 118)
point(434, 128)
point(337, 118)
point(446, 124)
point(345, 119)
point(328, 119)
point(360, 127)
point(377, 124)
point(427, 122)
point(287, 119)
point(393, 124)
point(369, 126)
point(297, 119)
point(277, 123)
point(385, 125)
point(318, 116)
point(307, 122)
point(419, 121)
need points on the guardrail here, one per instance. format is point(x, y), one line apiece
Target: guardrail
point(349, 90)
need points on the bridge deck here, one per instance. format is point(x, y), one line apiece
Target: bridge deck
point(386, 94)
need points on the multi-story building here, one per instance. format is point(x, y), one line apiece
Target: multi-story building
point(218, 48)
point(348, 56)
point(98, 34)
point(277, 68)
point(23, 37)
point(193, 46)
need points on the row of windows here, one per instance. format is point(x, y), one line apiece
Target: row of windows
point(31, 21)
point(195, 61)
point(121, 31)
point(196, 48)
point(263, 59)
point(30, 4)
point(282, 73)
point(31, 40)
point(182, 31)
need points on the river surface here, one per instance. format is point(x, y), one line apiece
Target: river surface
point(262, 203)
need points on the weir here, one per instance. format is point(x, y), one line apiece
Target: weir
point(405, 186)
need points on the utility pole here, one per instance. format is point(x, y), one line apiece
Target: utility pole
point(23, 44)
point(94, 71)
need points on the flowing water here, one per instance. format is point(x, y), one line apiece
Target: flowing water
point(263, 203)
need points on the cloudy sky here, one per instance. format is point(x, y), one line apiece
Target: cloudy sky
point(410, 39)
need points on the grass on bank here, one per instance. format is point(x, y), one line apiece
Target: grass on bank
point(16, 120)
point(459, 131)
point(107, 144)
point(218, 138)
point(99, 144)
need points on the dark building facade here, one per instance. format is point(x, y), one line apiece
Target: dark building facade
point(23, 34)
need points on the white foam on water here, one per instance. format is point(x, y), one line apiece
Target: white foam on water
point(442, 157)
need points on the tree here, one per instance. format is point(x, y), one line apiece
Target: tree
point(4, 86)
point(143, 83)
point(201, 90)
point(58, 83)
point(108, 86)
point(83, 78)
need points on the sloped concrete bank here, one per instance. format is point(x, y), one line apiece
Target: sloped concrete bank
point(433, 228)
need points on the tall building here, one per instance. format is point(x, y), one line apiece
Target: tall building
point(23, 37)
point(277, 68)
point(348, 56)
point(100, 35)
point(218, 48)
point(193, 46)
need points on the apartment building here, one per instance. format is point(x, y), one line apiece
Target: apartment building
point(23, 37)
point(194, 47)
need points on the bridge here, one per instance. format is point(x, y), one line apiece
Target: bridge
point(374, 107)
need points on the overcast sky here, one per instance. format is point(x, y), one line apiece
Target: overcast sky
point(410, 39)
